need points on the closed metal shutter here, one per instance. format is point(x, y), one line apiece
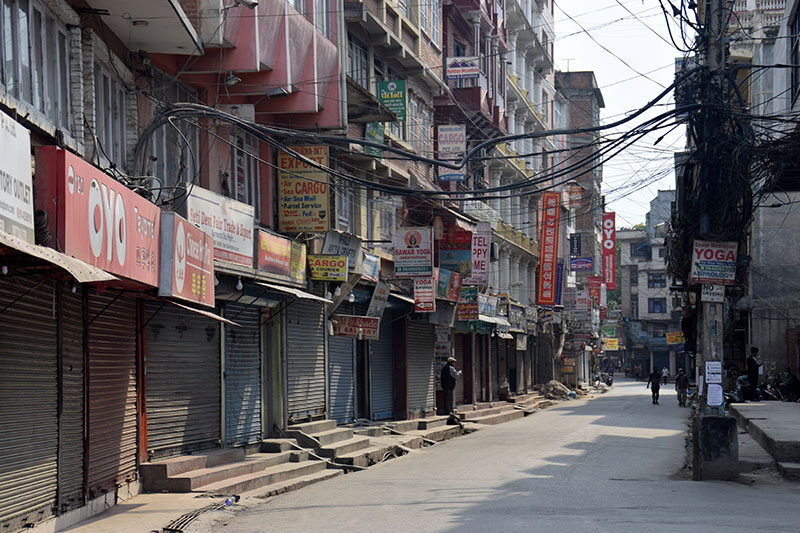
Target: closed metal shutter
point(380, 372)
point(458, 344)
point(421, 373)
point(28, 402)
point(242, 375)
point(305, 358)
point(182, 351)
point(111, 375)
point(495, 364)
point(341, 378)
point(70, 454)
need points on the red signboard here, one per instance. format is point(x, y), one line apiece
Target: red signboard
point(610, 251)
point(549, 246)
point(356, 327)
point(95, 218)
point(187, 261)
point(595, 284)
point(274, 254)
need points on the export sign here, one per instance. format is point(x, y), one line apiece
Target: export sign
point(424, 295)
point(610, 251)
point(713, 262)
point(303, 191)
point(16, 183)
point(328, 267)
point(413, 253)
point(187, 261)
point(547, 267)
point(96, 219)
point(356, 327)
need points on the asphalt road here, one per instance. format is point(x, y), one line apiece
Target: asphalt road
point(611, 463)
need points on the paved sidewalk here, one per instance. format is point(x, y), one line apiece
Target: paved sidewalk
point(774, 425)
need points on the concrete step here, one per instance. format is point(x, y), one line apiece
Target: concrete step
point(336, 449)
point(751, 455)
point(189, 481)
point(499, 418)
point(789, 470)
point(524, 398)
point(432, 422)
point(155, 473)
point(403, 426)
point(364, 457)
point(373, 431)
point(296, 483)
point(313, 427)
point(472, 415)
point(438, 434)
point(269, 476)
point(277, 445)
point(332, 436)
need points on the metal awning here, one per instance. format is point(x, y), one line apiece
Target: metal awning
point(294, 292)
point(401, 297)
point(207, 314)
point(82, 272)
point(494, 320)
point(507, 336)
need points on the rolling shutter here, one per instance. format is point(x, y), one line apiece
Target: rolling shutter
point(305, 358)
point(458, 344)
point(495, 365)
point(242, 375)
point(70, 454)
point(341, 377)
point(421, 378)
point(380, 368)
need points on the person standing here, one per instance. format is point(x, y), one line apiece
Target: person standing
point(448, 377)
point(751, 366)
point(665, 375)
point(654, 382)
point(681, 385)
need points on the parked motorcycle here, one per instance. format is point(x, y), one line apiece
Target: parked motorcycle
point(609, 379)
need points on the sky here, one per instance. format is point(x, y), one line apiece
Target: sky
point(635, 66)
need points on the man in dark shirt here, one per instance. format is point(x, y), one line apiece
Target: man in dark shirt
point(682, 385)
point(448, 377)
point(752, 366)
point(654, 382)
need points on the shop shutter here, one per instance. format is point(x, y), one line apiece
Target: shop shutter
point(242, 375)
point(305, 357)
point(70, 454)
point(28, 402)
point(421, 373)
point(458, 343)
point(111, 376)
point(380, 368)
point(182, 351)
point(494, 357)
point(341, 377)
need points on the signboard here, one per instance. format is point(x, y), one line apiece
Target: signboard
point(303, 192)
point(713, 371)
point(187, 261)
point(612, 345)
point(371, 265)
point(298, 268)
point(575, 245)
point(522, 342)
point(456, 282)
point(96, 219)
point(468, 304)
point(549, 243)
point(344, 244)
point(594, 285)
point(516, 316)
point(713, 262)
point(424, 295)
point(356, 327)
point(228, 221)
point(610, 250)
point(608, 331)
point(449, 174)
point(392, 94)
point(582, 301)
point(451, 141)
point(487, 305)
point(455, 251)
point(712, 293)
point(380, 298)
point(374, 132)
point(581, 264)
point(675, 337)
point(413, 253)
point(16, 183)
point(328, 267)
point(481, 243)
point(283, 259)
point(463, 68)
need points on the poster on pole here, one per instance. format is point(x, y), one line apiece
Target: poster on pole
point(413, 253)
point(610, 250)
point(713, 263)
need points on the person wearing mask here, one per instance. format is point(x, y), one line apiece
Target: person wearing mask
point(681, 386)
point(654, 383)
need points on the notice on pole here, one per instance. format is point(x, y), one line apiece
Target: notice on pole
point(714, 394)
point(713, 372)
point(713, 293)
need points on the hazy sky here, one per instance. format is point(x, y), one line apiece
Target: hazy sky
point(632, 178)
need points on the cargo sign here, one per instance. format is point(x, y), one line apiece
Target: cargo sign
point(16, 183)
point(713, 262)
point(356, 327)
point(303, 203)
point(187, 261)
point(610, 250)
point(424, 295)
point(413, 253)
point(549, 239)
point(328, 267)
point(451, 140)
point(96, 219)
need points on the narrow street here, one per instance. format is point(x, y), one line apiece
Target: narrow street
point(611, 463)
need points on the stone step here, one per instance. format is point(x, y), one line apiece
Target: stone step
point(751, 455)
point(269, 476)
point(364, 457)
point(278, 445)
point(524, 398)
point(333, 435)
point(296, 483)
point(336, 449)
point(155, 473)
point(313, 427)
point(789, 470)
point(438, 434)
point(432, 422)
point(403, 426)
point(373, 431)
point(499, 418)
point(472, 415)
point(190, 481)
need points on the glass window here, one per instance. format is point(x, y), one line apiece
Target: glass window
point(357, 61)
point(662, 252)
point(299, 5)
point(244, 169)
point(634, 277)
point(795, 56)
point(459, 50)
point(657, 305)
point(656, 280)
point(436, 16)
point(424, 19)
point(110, 107)
point(378, 72)
point(322, 17)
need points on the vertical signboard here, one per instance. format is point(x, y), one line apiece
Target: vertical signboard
point(455, 250)
point(16, 183)
point(303, 191)
point(424, 295)
point(379, 301)
point(610, 250)
point(187, 261)
point(594, 285)
point(549, 243)
point(413, 253)
point(374, 132)
point(481, 242)
point(575, 245)
point(392, 94)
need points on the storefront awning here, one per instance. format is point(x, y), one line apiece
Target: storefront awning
point(401, 297)
point(82, 272)
point(507, 336)
point(294, 292)
point(207, 314)
point(500, 321)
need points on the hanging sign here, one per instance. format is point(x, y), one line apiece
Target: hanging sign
point(16, 182)
point(338, 243)
point(413, 253)
point(187, 261)
point(392, 94)
point(371, 265)
point(455, 250)
point(468, 304)
point(487, 305)
point(549, 239)
point(356, 327)
point(374, 132)
point(303, 201)
point(451, 140)
point(713, 262)
point(328, 267)
point(594, 284)
point(424, 295)
point(380, 298)
point(610, 250)
point(481, 243)
point(456, 282)
point(463, 68)
point(612, 345)
point(581, 264)
point(675, 337)
point(575, 245)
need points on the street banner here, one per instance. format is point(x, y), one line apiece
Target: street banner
point(594, 285)
point(549, 243)
point(303, 192)
point(713, 262)
point(610, 250)
point(16, 182)
point(455, 250)
point(380, 298)
point(424, 295)
point(612, 345)
point(413, 253)
point(456, 282)
point(481, 244)
point(187, 261)
point(356, 327)
point(328, 267)
point(468, 304)
point(581, 264)
point(675, 337)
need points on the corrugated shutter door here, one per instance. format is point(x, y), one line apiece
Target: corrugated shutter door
point(182, 351)
point(70, 469)
point(421, 378)
point(494, 357)
point(242, 375)
point(458, 343)
point(380, 368)
point(112, 392)
point(305, 355)
point(342, 378)
point(28, 403)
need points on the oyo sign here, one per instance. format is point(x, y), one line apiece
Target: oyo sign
point(97, 219)
point(187, 265)
point(609, 250)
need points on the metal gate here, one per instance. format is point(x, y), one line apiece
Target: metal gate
point(341, 378)
point(28, 402)
point(380, 372)
point(182, 351)
point(242, 375)
point(305, 358)
point(421, 373)
point(70, 453)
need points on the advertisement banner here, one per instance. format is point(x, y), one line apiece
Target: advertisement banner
point(559, 280)
point(713, 263)
point(371, 265)
point(337, 243)
point(582, 301)
point(487, 305)
point(374, 132)
point(456, 282)
point(522, 342)
point(187, 261)
point(463, 68)
point(356, 327)
point(379, 301)
point(612, 345)
point(481, 244)
point(96, 219)
point(16, 182)
point(455, 251)
point(413, 253)
point(575, 245)
point(303, 191)
point(451, 141)
point(675, 337)
point(546, 294)
point(274, 254)
point(610, 250)
point(424, 295)
point(594, 284)
point(443, 278)
point(468, 304)
point(328, 267)
point(392, 94)
point(608, 331)
point(581, 264)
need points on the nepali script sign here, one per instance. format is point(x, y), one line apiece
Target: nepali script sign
point(713, 262)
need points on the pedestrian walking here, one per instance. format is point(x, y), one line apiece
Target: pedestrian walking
point(665, 375)
point(637, 370)
point(681, 385)
point(752, 365)
point(654, 383)
point(448, 377)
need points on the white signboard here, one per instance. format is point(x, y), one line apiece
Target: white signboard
point(713, 372)
point(481, 244)
point(713, 293)
point(713, 262)
point(380, 297)
point(228, 221)
point(452, 141)
point(424, 295)
point(715, 396)
point(16, 184)
point(344, 244)
point(582, 300)
point(413, 253)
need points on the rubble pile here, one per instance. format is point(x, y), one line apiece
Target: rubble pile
point(553, 390)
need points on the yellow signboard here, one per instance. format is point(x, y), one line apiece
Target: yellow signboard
point(612, 345)
point(675, 337)
point(303, 191)
point(328, 267)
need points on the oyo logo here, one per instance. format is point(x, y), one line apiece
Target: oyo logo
point(71, 179)
point(180, 257)
point(107, 222)
point(608, 233)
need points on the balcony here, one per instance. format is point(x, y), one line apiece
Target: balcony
point(471, 98)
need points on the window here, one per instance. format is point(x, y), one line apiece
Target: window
point(634, 309)
point(413, 124)
point(380, 213)
point(436, 16)
point(656, 280)
point(634, 277)
point(357, 61)
point(424, 19)
point(244, 169)
point(657, 305)
point(638, 250)
point(459, 50)
point(322, 19)
point(174, 149)
point(662, 252)
point(345, 209)
point(299, 5)
point(403, 6)
point(110, 106)
point(378, 72)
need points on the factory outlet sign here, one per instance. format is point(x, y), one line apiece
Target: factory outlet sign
point(16, 183)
